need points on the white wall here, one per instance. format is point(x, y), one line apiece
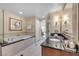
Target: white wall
point(38, 29)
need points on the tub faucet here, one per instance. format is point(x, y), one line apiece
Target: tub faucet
point(62, 44)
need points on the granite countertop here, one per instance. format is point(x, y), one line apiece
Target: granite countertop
point(55, 45)
point(48, 45)
point(5, 44)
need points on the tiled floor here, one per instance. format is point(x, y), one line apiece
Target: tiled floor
point(33, 50)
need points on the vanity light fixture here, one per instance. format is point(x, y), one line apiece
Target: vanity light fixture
point(20, 12)
point(65, 17)
point(56, 18)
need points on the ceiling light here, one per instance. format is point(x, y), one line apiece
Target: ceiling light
point(20, 12)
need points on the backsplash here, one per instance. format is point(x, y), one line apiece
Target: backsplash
point(14, 34)
point(12, 39)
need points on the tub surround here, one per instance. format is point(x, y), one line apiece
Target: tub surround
point(15, 48)
point(16, 38)
point(12, 40)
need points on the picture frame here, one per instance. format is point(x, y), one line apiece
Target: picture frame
point(15, 24)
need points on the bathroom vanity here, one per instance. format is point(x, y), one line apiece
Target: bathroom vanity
point(65, 22)
point(51, 51)
point(56, 46)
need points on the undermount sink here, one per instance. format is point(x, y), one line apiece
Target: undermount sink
point(56, 43)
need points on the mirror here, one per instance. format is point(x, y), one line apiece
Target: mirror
point(67, 22)
point(61, 21)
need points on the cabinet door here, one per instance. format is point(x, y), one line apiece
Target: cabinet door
point(50, 52)
point(64, 53)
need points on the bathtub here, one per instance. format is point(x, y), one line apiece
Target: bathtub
point(17, 38)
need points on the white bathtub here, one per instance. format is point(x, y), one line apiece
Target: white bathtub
point(17, 38)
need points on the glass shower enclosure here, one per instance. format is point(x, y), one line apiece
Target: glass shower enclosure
point(1, 26)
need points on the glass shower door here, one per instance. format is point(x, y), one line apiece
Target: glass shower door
point(1, 26)
point(1, 30)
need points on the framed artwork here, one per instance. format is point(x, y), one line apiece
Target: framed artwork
point(29, 27)
point(15, 24)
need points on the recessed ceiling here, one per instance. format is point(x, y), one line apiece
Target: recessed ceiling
point(30, 9)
